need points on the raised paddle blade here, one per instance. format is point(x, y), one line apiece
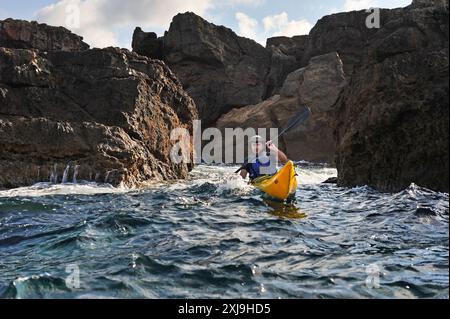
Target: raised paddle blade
point(301, 118)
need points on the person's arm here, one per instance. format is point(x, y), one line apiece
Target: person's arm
point(244, 173)
point(281, 156)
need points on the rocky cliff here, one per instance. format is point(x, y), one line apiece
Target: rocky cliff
point(392, 123)
point(100, 115)
point(219, 69)
point(390, 120)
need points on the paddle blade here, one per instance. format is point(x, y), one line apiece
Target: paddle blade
point(299, 119)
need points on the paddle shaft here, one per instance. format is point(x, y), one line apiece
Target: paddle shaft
point(303, 117)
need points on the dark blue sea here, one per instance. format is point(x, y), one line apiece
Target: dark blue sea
point(213, 236)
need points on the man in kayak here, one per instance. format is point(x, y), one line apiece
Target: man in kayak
point(262, 164)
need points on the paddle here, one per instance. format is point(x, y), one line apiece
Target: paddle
point(297, 120)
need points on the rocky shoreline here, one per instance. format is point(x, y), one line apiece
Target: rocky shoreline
point(101, 115)
point(379, 98)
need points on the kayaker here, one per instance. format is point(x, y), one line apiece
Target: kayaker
point(263, 164)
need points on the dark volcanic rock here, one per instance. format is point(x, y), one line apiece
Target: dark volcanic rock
point(294, 46)
point(318, 85)
point(107, 113)
point(148, 44)
point(430, 3)
point(21, 34)
point(345, 33)
point(393, 123)
point(281, 65)
point(285, 57)
point(218, 69)
point(331, 180)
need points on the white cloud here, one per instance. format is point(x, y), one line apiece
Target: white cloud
point(248, 27)
point(275, 21)
point(273, 26)
point(280, 25)
point(293, 28)
point(91, 22)
point(100, 19)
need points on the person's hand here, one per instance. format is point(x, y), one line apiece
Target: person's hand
point(271, 146)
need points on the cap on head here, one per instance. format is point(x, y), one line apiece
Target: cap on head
point(257, 140)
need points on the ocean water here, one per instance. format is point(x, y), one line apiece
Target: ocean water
point(213, 236)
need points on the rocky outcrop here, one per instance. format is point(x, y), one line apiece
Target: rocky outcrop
point(286, 56)
point(218, 69)
point(345, 33)
point(21, 34)
point(148, 44)
point(100, 115)
point(430, 3)
point(294, 46)
point(393, 121)
point(390, 119)
point(318, 85)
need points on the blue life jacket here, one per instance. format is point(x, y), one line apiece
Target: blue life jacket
point(254, 168)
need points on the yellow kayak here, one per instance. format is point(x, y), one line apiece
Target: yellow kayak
point(281, 185)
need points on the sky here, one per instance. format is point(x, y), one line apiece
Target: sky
point(105, 23)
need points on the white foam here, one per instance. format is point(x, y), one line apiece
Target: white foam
point(311, 176)
point(46, 189)
point(231, 184)
point(223, 177)
point(227, 179)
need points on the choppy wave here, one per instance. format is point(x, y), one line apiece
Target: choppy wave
point(213, 236)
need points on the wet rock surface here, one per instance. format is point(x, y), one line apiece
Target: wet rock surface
point(105, 115)
point(392, 122)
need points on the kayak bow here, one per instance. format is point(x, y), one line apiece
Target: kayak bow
point(281, 185)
